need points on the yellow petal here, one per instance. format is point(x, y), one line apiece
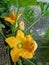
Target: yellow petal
point(25, 54)
point(9, 20)
point(29, 44)
point(14, 55)
point(35, 45)
point(29, 38)
point(20, 34)
point(32, 42)
point(12, 15)
point(11, 41)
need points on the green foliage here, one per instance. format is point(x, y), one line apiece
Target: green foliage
point(33, 2)
point(47, 14)
point(41, 5)
point(45, 10)
point(30, 62)
point(14, 2)
point(26, 2)
point(47, 33)
point(1, 26)
point(28, 14)
point(4, 7)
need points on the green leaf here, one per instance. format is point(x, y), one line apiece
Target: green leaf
point(31, 62)
point(45, 10)
point(28, 14)
point(47, 33)
point(4, 6)
point(41, 4)
point(47, 14)
point(1, 31)
point(1, 26)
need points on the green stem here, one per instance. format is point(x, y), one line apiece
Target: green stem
point(17, 9)
point(43, 47)
point(8, 56)
point(14, 26)
point(41, 39)
point(30, 62)
point(20, 62)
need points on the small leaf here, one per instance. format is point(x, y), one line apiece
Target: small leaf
point(2, 26)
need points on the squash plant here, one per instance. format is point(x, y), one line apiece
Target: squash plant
point(15, 34)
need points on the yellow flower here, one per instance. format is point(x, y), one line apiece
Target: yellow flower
point(21, 46)
point(11, 19)
point(21, 25)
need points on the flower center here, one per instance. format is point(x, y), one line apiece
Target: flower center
point(20, 45)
